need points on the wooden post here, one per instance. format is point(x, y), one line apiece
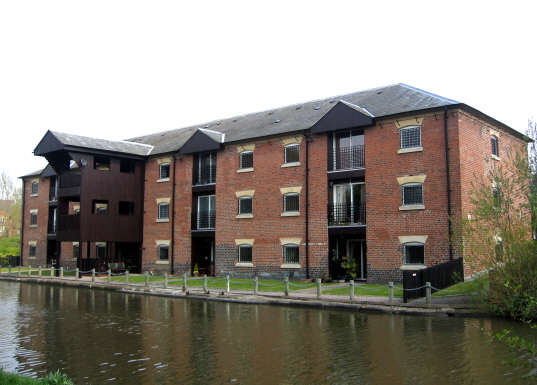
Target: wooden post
point(147, 279)
point(76, 274)
point(39, 273)
point(286, 292)
point(184, 282)
point(429, 299)
point(256, 285)
point(351, 284)
point(109, 275)
point(19, 271)
point(61, 272)
point(29, 271)
point(92, 275)
point(165, 280)
point(318, 288)
point(227, 283)
point(205, 283)
point(390, 284)
point(9, 269)
point(127, 278)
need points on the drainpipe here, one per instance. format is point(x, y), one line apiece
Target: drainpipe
point(448, 182)
point(172, 243)
point(308, 140)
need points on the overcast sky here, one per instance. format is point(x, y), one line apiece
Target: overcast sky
point(118, 69)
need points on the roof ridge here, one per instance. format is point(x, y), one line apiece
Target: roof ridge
point(429, 93)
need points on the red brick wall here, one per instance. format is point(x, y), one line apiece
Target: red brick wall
point(39, 232)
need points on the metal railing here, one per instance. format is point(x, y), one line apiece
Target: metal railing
point(343, 214)
point(206, 220)
point(348, 158)
point(205, 175)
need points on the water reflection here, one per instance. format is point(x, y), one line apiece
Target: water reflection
point(100, 336)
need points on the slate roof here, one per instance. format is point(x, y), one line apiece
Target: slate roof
point(376, 102)
point(126, 147)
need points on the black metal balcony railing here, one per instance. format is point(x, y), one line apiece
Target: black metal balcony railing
point(205, 175)
point(346, 158)
point(342, 214)
point(206, 220)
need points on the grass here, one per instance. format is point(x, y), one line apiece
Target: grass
point(55, 378)
point(34, 272)
point(366, 289)
point(467, 287)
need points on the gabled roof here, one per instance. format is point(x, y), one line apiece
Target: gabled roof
point(55, 141)
point(376, 102)
point(343, 115)
point(203, 140)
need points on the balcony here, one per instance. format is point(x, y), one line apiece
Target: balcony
point(205, 220)
point(343, 214)
point(205, 175)
point(348, 158)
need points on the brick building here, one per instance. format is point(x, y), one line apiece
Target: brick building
point(370, 177)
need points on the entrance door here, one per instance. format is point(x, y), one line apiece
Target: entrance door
point(356, 250)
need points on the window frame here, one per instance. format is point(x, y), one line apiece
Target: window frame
point(241, 207)
point(495, 145)
point(160, 206)
point(289, 154)
point(32, 252)
point(35, 188)
point(286, 204)
point(248, 163)
point(33, 219)
point(405, 197)
point(98, 249)
point(164, 171)
point(245, 248)
point(406, 261)
point(287, 248)
point(76, 251)
point(160, 249)
point(406, 141)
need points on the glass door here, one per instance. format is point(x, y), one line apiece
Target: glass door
point(206, 212)
point(349, 206)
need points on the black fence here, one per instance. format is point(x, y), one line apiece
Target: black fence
point(10, 260)
point(440, 276)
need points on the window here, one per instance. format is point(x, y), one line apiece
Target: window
point(164, 171)
point(292, 153)
point(245, 254)
point(101, 251)
point(76, 251)
point(163, 211)
point(206, 173)
point(126, 208)
point(35, 188)
point(127, 166)
point(33, 251)
point(410, 137)
point(246, 159)
point(163, 252)
point(101, 163)
point(99, 206)
point(245, 205)
point(494, 145)
point(290, 254)
point(412, 194)
point(291, 202)
point(33, 219)
point(414, 254)
point(497, 198)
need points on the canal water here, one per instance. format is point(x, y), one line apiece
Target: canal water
point(101, 337)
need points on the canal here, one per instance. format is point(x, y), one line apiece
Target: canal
point(99, 337)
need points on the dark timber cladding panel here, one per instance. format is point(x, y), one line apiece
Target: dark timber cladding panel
point(112, 186)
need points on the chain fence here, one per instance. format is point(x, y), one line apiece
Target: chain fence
point(192, 285)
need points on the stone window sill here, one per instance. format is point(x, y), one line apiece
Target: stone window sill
point(290, 266)
point(294, 164)
point(163, 220)
point(495, 157)
point(242, 216)
point(244, 264)
point(34, 195)
point(163, 180)
point(33, 225)
point(245, 170)
point(162, 262)
point(407, 150)
point(291, 214)
point(412, 267)
point(414, 207)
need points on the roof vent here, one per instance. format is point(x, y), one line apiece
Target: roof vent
point(235, 120)
point(278, 121)
point(378, 93)
point(270, 113)
point(317, 108)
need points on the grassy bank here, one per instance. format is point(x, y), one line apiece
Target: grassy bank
point(55, 378)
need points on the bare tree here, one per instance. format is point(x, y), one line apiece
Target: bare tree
point(10, 206)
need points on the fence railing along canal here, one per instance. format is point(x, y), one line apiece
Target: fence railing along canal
point(225, 285)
